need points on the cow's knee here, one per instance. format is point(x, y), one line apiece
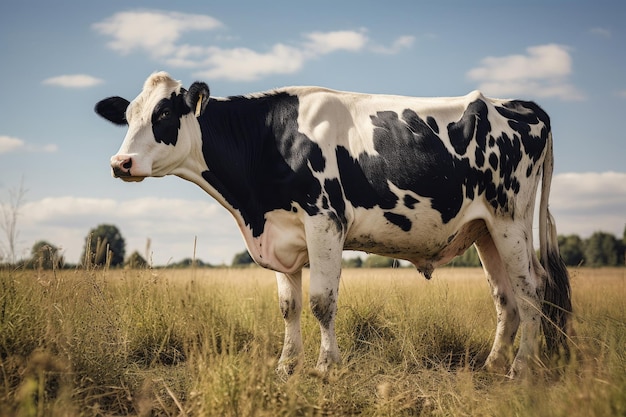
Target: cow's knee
point(324, 307)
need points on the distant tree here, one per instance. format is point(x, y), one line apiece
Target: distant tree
point(184, 263)
point(602, 249)
point(572, 249)
point(189, 262)
point(624, 247)
point(136, 261)
point(101, 242)
point(45, 256)
point(242, 259)
point(468, 258)
point(355, 262)
point(378, 261)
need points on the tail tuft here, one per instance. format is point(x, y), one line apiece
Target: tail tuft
point(557, 306)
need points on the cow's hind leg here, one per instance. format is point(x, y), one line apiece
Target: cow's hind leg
point(527, 279)
point(506, 306)
point(290, 302)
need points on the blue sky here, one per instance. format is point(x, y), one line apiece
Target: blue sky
point(59, 58)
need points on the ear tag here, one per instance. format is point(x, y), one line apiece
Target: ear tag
point(199, 105)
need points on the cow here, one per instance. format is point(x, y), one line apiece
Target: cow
point(307, 172)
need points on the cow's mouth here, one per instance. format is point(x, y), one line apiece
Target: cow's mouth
point(124, 173)
point(132, 179)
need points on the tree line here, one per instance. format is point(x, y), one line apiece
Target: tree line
point(600, 249)
point(105, 246)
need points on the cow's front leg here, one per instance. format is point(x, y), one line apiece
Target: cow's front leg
point(323, 300)
point(325, 245)
point(290, 302)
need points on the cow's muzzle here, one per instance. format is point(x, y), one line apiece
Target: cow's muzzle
point(121, 166)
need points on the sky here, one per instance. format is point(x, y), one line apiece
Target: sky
point(57, 59)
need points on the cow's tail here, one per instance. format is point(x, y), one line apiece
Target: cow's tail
point(557, 305)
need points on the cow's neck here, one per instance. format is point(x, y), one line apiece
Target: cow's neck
point(235, 137)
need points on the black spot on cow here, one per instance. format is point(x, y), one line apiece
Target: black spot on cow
point(166, 118)
point(410, 201)
point(503, 300)
point(472, 126)
point(493, 160)
point(479, 157)
point(510, 155)
point(257, 159)
point(523, 114)
point(399, 220)
point(325, 204)
point(433, 124)
point(410, 156)
point(337, 209)
point(360, 188)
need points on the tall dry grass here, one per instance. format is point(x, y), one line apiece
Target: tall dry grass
point(205, 342)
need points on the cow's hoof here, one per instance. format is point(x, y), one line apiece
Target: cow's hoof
point(286, 368)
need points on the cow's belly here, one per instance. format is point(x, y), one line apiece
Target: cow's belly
point(427, 244)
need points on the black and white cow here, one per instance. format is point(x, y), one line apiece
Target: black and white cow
point(308, 172)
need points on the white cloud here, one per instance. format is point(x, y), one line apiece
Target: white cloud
point(621, 93)
point(601, 32)
point(50, 148)
point(73, 81)
point(320, 43)
point(583, 203)
point(156, 32)
point(244, 64)
point(11, 144)
point(403, 42)
point(542, 72)
point(159, 33)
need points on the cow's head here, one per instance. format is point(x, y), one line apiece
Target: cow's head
point(161, 126)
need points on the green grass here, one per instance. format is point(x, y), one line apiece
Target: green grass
point(206, 342)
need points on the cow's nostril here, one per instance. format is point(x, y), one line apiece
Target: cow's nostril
point(128, 164)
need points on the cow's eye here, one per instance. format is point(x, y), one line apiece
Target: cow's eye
point(163, 115)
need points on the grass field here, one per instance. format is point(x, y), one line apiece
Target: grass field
point(205, 342)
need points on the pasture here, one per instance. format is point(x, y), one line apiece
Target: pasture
point(205, 342)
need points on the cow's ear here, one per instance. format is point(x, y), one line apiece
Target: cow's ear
point(197, 97)
point(113, 109)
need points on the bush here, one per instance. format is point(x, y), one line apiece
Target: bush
point(135, 261)
point(378, 261)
